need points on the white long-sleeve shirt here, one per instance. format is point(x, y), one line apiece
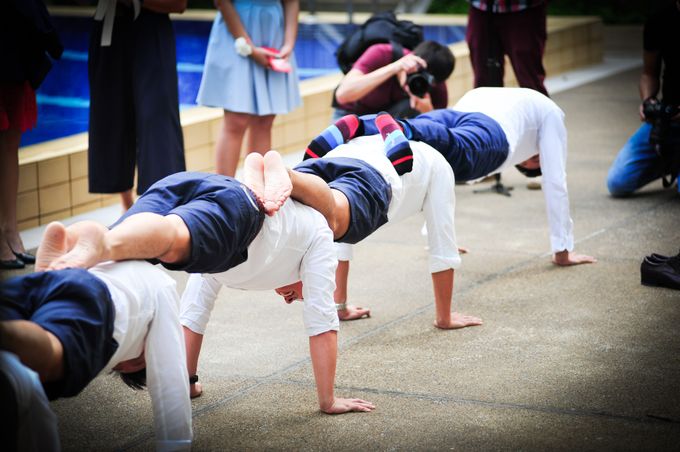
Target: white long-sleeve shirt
point(428, 188)
point(533, 124)
point(146, 304)
point(295, 244)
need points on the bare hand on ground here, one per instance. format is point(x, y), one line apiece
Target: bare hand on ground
point(353, 313)
point(346, 405)
point(459, 320)
point(566, 258)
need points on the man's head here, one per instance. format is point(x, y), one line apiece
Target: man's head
point(440, 60)
point(133, 372)
point(291, 292)
point(530, 167)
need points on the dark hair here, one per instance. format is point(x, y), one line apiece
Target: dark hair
point(135, 380)
point(440, 60)
point(535, 172)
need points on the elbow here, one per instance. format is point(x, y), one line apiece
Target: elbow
point(341, 96)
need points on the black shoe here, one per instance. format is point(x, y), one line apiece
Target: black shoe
point(12, 264)
point(27, 258)
point(661, 274)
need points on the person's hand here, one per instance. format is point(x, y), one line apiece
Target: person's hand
point(459, 320)
point(422, 104)
point(649, 100)
point(346, 405)
point(352, 312)
point(566, 258)
point(408, 64)
point(261, 56)
point(285, 51)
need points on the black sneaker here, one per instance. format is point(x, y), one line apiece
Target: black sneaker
point(661, 273)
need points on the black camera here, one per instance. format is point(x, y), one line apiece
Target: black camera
point(664, 140)
point(419, 82)
point(658, 114)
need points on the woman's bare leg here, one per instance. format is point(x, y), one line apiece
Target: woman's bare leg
point(260, 135)
point(228, 146)
point(10, 240)
point(127, 199)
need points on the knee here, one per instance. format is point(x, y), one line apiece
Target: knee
point(235, 122)
point(618, 185)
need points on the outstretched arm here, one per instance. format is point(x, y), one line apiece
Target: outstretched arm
point(323, 349)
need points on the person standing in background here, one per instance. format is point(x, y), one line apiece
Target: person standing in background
point(27, 36)
point(134, 104)
point(516, 28)
point(239, 77)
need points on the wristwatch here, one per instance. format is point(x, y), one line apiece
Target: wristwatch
point(242, 47)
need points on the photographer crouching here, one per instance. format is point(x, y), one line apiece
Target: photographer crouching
point(653, 152)
point(404, 85)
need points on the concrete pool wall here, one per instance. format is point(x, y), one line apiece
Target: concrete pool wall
point(53, 175)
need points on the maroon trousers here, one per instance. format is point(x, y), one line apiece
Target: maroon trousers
point(519, 35)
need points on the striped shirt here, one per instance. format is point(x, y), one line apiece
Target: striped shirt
point(504, 6)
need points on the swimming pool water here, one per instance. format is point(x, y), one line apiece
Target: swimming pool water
point(63, 98)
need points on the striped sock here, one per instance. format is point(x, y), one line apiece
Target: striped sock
point(341, 132)
point(397, 147)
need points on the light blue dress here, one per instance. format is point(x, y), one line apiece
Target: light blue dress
point(237, 83)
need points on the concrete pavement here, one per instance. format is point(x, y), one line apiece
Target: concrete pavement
point(581, 358)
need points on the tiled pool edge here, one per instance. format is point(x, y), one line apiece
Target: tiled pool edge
point(53, 175)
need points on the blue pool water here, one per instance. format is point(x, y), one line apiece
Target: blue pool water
point(63, 98)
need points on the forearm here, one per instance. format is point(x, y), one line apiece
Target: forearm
point(649, 86)
point(442, 282)
point(166, 6)
point(291, 10)
point(356, 84)
point(231, 19)
point(323, 349)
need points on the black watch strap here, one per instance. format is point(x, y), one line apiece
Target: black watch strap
point(193, 379)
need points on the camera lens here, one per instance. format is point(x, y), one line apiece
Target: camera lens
point(419, 82)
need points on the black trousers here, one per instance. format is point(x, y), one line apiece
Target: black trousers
point(134, 106)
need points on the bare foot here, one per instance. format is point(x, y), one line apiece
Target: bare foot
point(88, 250)
point(195, 390)
point(277, 184)
point(253, 174)
point(52, 246)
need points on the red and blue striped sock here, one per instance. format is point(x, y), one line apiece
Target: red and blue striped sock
point(397, 147)
point(343, 130)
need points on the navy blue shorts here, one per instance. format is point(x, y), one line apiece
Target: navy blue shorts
point(366, 189)
point(473, 143)
point(76, 307)
point(221, 213)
